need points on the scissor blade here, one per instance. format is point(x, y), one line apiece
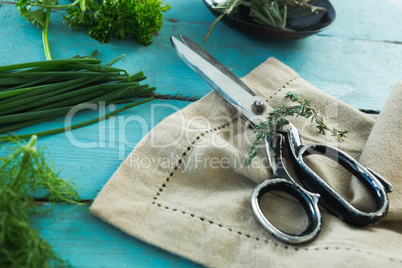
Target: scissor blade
point(234, 93)
point(208, 57)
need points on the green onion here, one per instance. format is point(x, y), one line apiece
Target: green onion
point(40, 91)
point(68, 128)
point(45, 63)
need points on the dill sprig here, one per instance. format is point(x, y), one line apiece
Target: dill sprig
point(23, 173)
point(276, 120)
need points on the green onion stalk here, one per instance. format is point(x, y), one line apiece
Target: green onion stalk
point(35, 92)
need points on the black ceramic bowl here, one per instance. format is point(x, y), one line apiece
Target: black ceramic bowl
point(243, 23)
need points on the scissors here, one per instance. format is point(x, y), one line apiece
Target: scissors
point(316, 190)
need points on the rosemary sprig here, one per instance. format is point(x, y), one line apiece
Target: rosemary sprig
point(227, 9)
point(276, 120)
point(271, 13)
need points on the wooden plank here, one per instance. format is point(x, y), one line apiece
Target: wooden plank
point(345, 61)
point(356, 60)
point(90, 155)
point(86, 241)
point(367, 20)
point(357, 71)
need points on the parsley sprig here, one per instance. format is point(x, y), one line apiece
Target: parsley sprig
point(103, 19)
point(38, 13)
point(121, 19)
point(276, 120)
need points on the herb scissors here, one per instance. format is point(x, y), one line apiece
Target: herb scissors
point(251, 107)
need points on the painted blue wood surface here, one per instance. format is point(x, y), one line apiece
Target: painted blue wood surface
point(90, 155)
point(357, 60)
point(87, 242)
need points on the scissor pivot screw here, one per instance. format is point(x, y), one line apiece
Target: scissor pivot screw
point(258, 107)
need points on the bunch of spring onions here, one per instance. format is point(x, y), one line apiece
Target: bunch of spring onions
point(35, 92)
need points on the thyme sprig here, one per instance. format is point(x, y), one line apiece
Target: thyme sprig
point(276, 120)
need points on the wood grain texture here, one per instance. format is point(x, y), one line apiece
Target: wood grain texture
point(357, 60)
point(87, 242)
point(90, 155)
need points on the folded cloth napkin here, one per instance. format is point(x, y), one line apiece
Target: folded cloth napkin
point(185, 188)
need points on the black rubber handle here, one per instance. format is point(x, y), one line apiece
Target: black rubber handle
point(331, 199)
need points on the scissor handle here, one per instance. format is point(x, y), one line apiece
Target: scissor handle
point(283, 182)
point(331, 199)
point(308, 200)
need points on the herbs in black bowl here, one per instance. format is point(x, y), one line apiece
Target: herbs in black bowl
point(280, 19)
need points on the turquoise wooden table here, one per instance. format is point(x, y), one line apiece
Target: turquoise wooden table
point(358, 60)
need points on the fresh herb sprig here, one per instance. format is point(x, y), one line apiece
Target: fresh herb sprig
point(38, 13)
point(24, 172)
point(103, 19)
point(121, 19)
point(276, 119)
point(271, 13)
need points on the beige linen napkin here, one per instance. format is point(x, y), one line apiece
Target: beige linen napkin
point(184, 188)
